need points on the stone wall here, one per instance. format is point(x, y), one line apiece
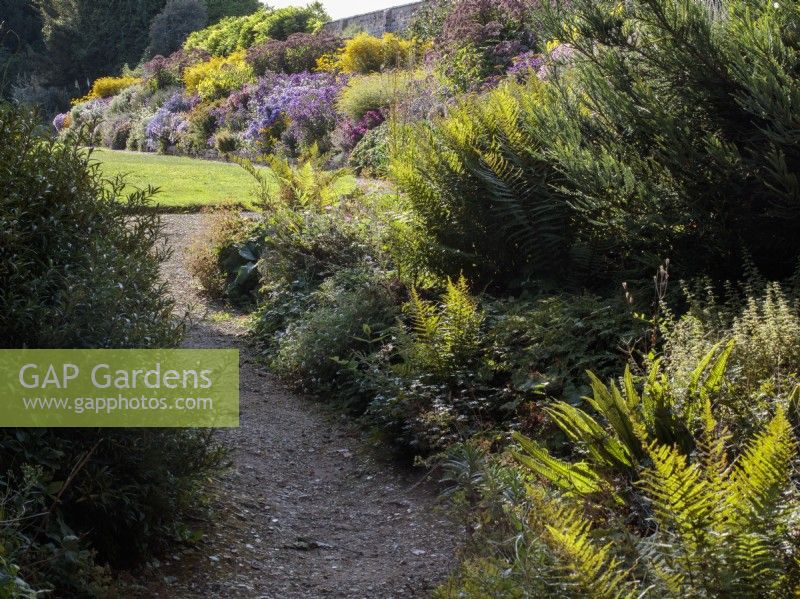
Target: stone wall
point(389, 20)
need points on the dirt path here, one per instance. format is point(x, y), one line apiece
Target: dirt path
point(305, 511)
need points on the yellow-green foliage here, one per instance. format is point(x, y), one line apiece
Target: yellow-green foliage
point(445, 334)
point(374, 92)
point(301, 187)
point(218, 76)
point(239, 33)
point(365, 53)
point(106, 87)
point(765, 360)
point(478, 183)
point(721, 527)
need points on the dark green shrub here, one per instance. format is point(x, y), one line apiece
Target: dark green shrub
point(80, 268)
point(346, 318)
point(692, 157)
point(226, 142)
point(370, 157)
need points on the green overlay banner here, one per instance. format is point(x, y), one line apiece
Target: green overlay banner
point(119, 388)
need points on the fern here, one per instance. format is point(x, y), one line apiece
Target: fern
point(445, 336)
point(715, 527)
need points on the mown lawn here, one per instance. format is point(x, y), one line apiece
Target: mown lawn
point(185, 183)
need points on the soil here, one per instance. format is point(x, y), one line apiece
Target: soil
point(307, 508)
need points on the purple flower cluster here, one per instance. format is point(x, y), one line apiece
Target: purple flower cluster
point(169, 122)
point(58, 122)
point(307, 101)
point(526, 64)
point(350, 133)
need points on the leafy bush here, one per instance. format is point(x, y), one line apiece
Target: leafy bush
point(218, 76)
point(349, 133)
point(200, 128)
point(298, 53)
point(161, 72)
point(478, 38)
point(346, 314)
point(370, 156)
point(365, 53)
point(239, 33)
point(106, 87)
point(481, 185)
point(119, 492)
point(296, 110)
point(700, 98)
point(114, 133)
point(374, 92)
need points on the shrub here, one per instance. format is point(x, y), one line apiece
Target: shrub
point(174, 23)
point(161, 72)
point(169, 124)
point(349, 133)
point(480, 184)
point(226, 142)
point(478, 38)
point(201, 126)
point(297, 109)
point(370, 156)
point(311, 231)
point(115, 132)
point(298, 53)
point(218, 76)
point(133, 486)
point(239, 33)
point(429, 386)
point(223, 259)
point(365, 53)
point(716, 116)
point(87, 118)
point(374, 92)
point(106, 87)
point(346, 314)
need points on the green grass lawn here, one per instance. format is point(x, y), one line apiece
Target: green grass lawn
point(185, 183)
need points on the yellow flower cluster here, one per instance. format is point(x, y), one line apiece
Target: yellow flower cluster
point(105, 87)
point(217, 76)
point(365, 53)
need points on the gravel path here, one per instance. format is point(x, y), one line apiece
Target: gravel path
point(305, 511)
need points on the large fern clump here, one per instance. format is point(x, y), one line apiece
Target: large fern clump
point(662, 129)
point(656, 497)
point(480, 186)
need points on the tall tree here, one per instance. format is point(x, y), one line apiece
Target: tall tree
point(219, 9)
point(172, 25)
point(20, 40)
point(86, 38)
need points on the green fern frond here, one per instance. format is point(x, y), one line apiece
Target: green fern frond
point(760, 474)
point(591, 569)
point(617, 411)
point(589, 434)
point(578, 478)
